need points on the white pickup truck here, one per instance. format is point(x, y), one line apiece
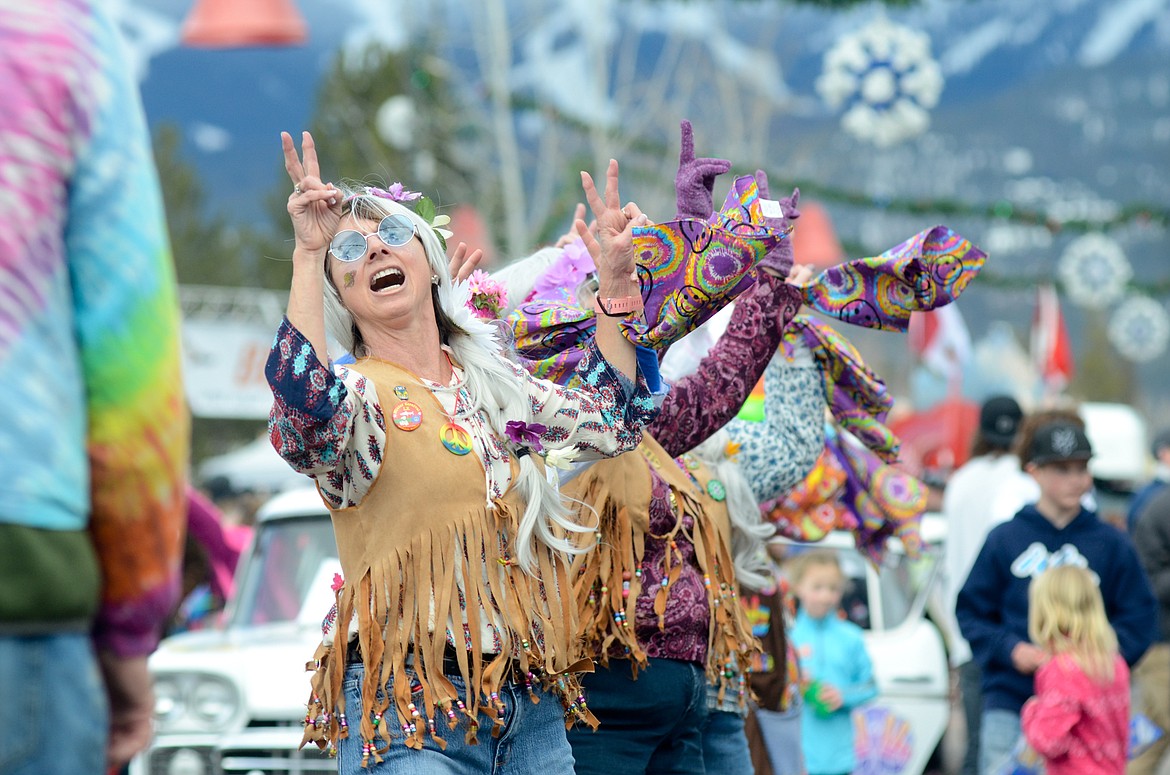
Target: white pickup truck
point(231, 700)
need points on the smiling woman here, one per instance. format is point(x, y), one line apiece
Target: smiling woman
point(454, 609)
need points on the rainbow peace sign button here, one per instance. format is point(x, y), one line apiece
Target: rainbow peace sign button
point(455, 438)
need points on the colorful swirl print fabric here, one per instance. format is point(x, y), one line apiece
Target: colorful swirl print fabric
point(688, 270)
point(884, 500)
point(927, 271)
point(93, 407)
point(857, 397)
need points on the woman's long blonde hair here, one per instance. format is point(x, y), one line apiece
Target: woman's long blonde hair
point(1066, 615)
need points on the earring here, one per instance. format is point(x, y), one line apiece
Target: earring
point(434, 279)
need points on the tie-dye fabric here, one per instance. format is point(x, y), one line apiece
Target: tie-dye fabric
point(688, 270)
point(857, 397)
point(927, 271)
point(93, 426)
point(852, 489)
point(811, 510)
point(883, 500)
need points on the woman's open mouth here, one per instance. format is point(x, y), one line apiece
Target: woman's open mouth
point(391, 277)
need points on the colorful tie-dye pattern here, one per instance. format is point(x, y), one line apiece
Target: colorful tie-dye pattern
point(927, 271)
point(857, 397)
point(688, 270)
point(93, 426)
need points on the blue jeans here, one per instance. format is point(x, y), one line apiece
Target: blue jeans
point(781, 731)
point(532, 740)
point(652, 726)
point(999, 732)
point(725, 746)
point(971, 689)
point(57, 703)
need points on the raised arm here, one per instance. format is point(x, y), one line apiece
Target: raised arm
point(703, 402)
point(612, 251)
point(777, 452)
point(315, 210)
point(602, 418)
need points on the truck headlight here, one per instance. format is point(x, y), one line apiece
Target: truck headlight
point(168, 702)
point(194, 702)
point(214, 702)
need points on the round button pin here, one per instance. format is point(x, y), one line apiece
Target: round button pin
point(406, 416)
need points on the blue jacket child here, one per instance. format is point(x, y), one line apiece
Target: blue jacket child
point(832, 653)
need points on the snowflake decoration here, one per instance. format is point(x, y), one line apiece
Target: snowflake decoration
point(885, 78)
point(1140, 329)
point(1094, 271)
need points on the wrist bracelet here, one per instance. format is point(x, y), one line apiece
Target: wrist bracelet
point(617, 307)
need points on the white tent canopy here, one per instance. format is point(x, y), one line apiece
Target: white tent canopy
point(254, 467)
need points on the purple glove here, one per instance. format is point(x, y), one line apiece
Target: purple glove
point(779, 258)
point(694, 183)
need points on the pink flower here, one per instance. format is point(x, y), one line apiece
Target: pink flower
point(395, 192)
point(338, 582)
point(488, 297)
point(567, 272)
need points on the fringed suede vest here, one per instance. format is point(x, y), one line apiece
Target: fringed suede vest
point(609, 580)
point(422, 536)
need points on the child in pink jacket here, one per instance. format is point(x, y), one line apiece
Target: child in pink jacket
point(1078, 721)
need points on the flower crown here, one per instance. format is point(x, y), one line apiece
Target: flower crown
point(423, 207)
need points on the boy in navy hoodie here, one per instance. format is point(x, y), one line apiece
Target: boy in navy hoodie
point(992, 607)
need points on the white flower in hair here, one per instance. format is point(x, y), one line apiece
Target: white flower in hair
point(561, 458)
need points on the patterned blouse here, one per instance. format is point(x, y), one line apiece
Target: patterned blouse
point(696, 407)
point(331, 426)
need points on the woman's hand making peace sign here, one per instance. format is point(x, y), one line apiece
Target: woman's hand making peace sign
point(315, 207)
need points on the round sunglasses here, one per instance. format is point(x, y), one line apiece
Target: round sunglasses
point(350, 245)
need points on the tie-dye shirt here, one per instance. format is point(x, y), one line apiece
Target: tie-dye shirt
point(93, 426)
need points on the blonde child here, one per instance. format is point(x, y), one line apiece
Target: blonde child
point(1078, 720)
point(833, 660)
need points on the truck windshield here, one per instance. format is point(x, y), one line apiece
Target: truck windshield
point(288, 574)
point(881, 598)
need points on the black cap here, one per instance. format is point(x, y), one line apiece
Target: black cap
point(1059, 441)
point(1161, 441)
point(999, 419)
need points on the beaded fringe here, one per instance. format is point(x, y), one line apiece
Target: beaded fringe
point(413, 595)
point(608, 582)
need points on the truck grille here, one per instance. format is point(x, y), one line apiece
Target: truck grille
point(275, 762)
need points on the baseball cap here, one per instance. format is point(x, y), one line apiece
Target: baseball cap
point(1161, 441)
point(1059, 441)
point(999, 419)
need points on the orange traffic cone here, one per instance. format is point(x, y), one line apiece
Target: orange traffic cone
point(240, 23)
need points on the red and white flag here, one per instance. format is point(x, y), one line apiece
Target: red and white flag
point(941, 341)
point(1051, 350)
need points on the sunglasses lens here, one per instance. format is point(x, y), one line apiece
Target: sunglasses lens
point(348, 245)
point(395, 230)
